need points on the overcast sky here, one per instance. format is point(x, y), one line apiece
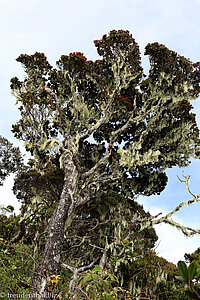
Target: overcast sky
point(60, 27)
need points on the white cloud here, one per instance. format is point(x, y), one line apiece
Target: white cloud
point(173, 244)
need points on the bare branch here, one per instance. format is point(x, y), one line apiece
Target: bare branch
point(81, 269)
point(75, 278)
point(188, 231)
point(187, 181)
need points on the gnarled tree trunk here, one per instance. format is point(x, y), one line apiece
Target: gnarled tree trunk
point(55, 233)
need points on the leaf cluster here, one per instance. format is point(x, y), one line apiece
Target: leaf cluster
point(191, 275)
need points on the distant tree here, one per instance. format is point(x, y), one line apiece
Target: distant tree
point(110, 128)
point(10, 159)
point(190, 257)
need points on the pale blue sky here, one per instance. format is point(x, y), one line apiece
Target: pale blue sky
point(59, 27)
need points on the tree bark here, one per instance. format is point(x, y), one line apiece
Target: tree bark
point(55, 233)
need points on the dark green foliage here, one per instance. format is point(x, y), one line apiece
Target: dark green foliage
point(9, 226)
point(15, 266)
point(17, 262)
point(104, 221)
point(152, 276)
point(100, 284)
point(40, 192)
point(146, 276)
point(111, 46)
point(180, 68)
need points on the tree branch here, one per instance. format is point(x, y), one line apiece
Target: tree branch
point(102, 120)
point(93, 128)
point(99, 224)
point(166, 219)
point(104, 159)
point(75, 278)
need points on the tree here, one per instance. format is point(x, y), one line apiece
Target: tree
point(111, 128)
point(10, 159)
point(190, 257)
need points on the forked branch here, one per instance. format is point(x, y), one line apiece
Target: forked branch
point(153, 220)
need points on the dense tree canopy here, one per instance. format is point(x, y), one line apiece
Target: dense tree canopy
point(105, 125)
point(158, 113)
